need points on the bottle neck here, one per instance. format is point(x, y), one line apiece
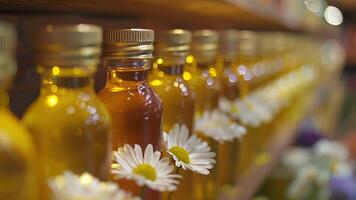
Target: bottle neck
point(124, 74)
point(175, 70)
point(205, 65)
point(171, 64)
point(58, 79)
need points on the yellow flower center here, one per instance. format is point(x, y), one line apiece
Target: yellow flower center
point(181, 154)
point(146, 170)
point(86, 179)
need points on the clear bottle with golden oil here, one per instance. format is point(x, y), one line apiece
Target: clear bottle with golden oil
point(248, 55)
point(18, 174)
point(273, 50)
point(228, 151)
point(203, 80)
point(166, 78)
point(135, 107)
point(69, 124)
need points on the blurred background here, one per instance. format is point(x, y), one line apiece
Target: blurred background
point(332, 115)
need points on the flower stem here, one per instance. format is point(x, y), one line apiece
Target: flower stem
point(142, 194)
point(171, 193)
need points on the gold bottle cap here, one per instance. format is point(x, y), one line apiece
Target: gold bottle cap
point(205, 45)
point(68, 45)
point(7, 51)
point(248, 42)
point(128, 43)
point(174, 42)
point(229, 44)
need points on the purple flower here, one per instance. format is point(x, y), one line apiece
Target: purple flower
point(308, 137)
point(342, 188)
point(308, 133)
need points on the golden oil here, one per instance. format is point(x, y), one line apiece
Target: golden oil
point(206, 87)
point(166, 78)
point(135, 107)
point(18, 174)
point(69, 124)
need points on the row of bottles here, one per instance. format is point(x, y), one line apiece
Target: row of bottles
point(193, 77)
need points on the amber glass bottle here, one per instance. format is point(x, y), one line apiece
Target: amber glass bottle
point(172, 48)
point(135, 107)
point(228, 151)
point(69, 124)
point(206, 86)
point(248, 55)
point(17, 153)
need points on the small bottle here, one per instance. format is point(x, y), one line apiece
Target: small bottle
point(205, 84)
point(69, 124)
point(172, 48)
point(248, 56)
point(135, 107)
point(17, 153)
point(228, 151)
point(204, 79)
point(228, 54)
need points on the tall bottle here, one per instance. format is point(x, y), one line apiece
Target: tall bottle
point(205, 84)
point(172, 47)
point(248, 56)
point(228, 151)
point(135, 107)
point(17, 153)
point(69, 124)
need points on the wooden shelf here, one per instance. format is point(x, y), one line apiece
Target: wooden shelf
point(217, 14)
point(283, 136)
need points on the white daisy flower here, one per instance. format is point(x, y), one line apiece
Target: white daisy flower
point(244, 112)
point(251, 112)
point(85, 187)
point(219, 126)
point(225, 105)
point(190, 152)
point(330, 150)
point(296, 157)
point(146, 169)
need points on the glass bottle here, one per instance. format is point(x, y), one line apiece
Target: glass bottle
point(228, 151)
point(172, 47)
point(248, 55)
point(206, 87)
point(17, 153)
point(135, 107)
point(69, 124)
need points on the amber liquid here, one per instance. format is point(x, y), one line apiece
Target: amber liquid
point(206, 87)
point(178, 103)
point(71, 128)
point(17, 159)
point(136, 112)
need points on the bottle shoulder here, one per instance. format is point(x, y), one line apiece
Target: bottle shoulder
point(76, 107)
point(141, 97)
point(13, 134)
